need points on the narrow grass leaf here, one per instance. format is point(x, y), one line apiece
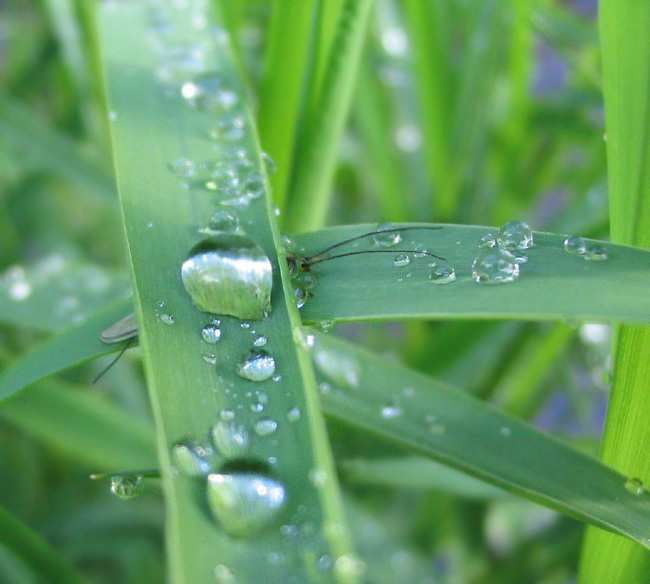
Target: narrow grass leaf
point(224, 512)
point(553, 284)
point(435, 420)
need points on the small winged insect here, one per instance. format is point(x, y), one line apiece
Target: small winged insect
point(126, 329)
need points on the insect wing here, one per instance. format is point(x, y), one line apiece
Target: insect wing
point(126, 328)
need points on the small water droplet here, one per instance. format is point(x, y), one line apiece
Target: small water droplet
point(420, 251)
point(211, 334)
point(349, 566)
point(209, 358)
point(229, 127)
point(442, 275)
point(595, 253)
point(230, 438)
point(520, 258)
point(505, 431)
point(515, 235)
point(271, 167)
point(390, 412)
point(245, 325)
point(256, 365)
point(635, 486)
point(257, 408)
point(192, 459)
point(112, 116)
point(495, 266)
point(227, 415)
point(245, 503)
point(254, 186)
point(325, 325)
point(183, 168)
point(294, 414)
point(487, 241)
point(317, 477)
point(388, 237)
point(401, 260)
point(301, 296)
point(307, 280)
point(575, 244)
point(166, 318)
point(205, 93)
point(224, 575)
point(266, 427)
point(127, 486)
point(259, 341)
point(223, 221)
point(229, 274)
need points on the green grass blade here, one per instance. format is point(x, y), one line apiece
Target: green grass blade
point(319, 142)
point(626, 86)
point(448, 425)
point(553, 283)
point(153, 128)
point(282, 87)
point(41, 559)
point(84, 425)
point(66, 349)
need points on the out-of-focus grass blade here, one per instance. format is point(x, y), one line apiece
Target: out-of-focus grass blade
point(41, 559)
point(553, 284)
point(434, 420)
point(51, 150)
point(415, 472)
point(317, 151)
point(626, 87)
point(154, 127)
point(84, 425)
point(66, 349)
point(56, 292)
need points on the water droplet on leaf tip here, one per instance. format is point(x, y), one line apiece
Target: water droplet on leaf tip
point(635, 486)
point(127, 487)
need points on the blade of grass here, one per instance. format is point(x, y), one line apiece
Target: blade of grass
point(45, 562)
point(152, 129)
point(319, 142)
point(626, 86)
point(434, 420)
point(553, 283)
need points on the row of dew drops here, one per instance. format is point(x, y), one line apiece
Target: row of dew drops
point(243, 496)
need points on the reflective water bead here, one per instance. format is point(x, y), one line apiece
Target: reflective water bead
point(515, 235)
point(420, 251)
point(205, 93)
point(488, 240)
point(390, 412)
point(595, 253)
point(495, 266)
point(635, 486)
point(127, 486)
point(210, 358)
point(183, 168)
point(211, 333)
point(401, 260)
point(442, 275)
point(388, 236)
point(266, 427)
point(307, 280)
point(229, 127)
point(229, 274)
point(301, 296)
point(230, 438)
point(294, 414)
point(575, 244)
point(254, 186)
point(166, 318)
point(224, 575)
point(227, 415)
point(245, 503)
point(192, 459)
point(225, 221)
point(256, 365)
point(259, 341)
point(520, 258)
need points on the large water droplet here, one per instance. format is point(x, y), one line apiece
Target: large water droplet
point(388, 237)
point(245, 503)
point(127, 486)
point(515, 235)
point(390, 412)
point(575, 244)
point(211, 333)
point(192, 459)
point(635, 486)
point(442, 275)
point(230, 438)
point(229, 274)
point(401, 260)
point(256, 365)
point(495, 266)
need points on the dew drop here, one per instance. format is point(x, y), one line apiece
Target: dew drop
point(391, 412)
point(307, 280)
point(205, 93)
point(254, 186)
point(259, 341)
point(229, 274)
point(595, 253)
point(495, 266)
point(229, 127)
point(401, 260)
point(256, 365)
point(183, 168)
point(230, 438)
point(294, 414)
point(515, 235)
point(317, 477)
point(271, 167)
point(487, 241)
point(245, 503)
point(635, 486)
point(388, 237)
point(266, 427)
point(192, 459)
point(127, 487)
point(520, 258)
point(227, 415)
point(442, 275)
point(224, 221)
point(224, 575)
point(211, 333)
point(166, 318)
point(575, 244)
point(325, 325)
point(301, 296)
point(209, 358)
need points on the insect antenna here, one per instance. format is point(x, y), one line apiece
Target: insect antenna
point(309, 262)
point(376, 232)
point(128, 344)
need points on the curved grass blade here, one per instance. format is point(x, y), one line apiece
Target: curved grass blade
point(434, 420)
point(44, 562)
point(155, 127)
point(71, 347)
point(553, 284)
